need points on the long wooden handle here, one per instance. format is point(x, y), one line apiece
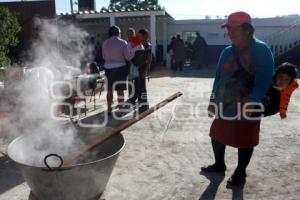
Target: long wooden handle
point(73, 157)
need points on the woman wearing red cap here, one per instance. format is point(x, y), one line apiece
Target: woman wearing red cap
point(243, 76)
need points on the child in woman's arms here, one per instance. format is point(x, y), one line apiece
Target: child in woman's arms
point(279, 94)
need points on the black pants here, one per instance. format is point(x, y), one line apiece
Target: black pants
point(139, 92)
point(244, 156)
point(177, 65)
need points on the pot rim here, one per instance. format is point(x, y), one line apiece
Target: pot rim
point(64, 167)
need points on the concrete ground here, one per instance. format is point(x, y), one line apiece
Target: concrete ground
point(164, 152)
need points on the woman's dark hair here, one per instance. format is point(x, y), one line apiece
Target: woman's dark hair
point(144, 32)
point(248, 28)
point(288, 69)
point(114, 31)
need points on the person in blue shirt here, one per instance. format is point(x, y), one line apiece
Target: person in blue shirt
point(243, 76)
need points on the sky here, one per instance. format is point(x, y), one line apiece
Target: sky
point(195, 9)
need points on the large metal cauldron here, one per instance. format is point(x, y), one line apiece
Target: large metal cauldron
point(85, 180)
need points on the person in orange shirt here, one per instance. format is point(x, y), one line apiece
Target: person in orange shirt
point(279, 94)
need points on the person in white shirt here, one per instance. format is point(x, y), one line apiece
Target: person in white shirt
point(116, 52)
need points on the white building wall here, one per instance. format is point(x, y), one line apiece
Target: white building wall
point(209, 28)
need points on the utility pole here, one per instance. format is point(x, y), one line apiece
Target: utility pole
point(72, 9)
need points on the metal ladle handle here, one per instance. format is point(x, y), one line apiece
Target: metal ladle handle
point(53, 155)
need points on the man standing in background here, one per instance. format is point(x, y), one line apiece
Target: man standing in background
point(199, 51)
point(179, 53)
point(116, 52)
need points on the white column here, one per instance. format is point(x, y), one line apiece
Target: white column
point(165, 39)
point(112, 20)
point(153, 33)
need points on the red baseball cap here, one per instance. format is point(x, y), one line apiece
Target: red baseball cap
point(237, 19)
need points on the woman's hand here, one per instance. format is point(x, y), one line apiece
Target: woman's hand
point(211, 110)
point(247, 111)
